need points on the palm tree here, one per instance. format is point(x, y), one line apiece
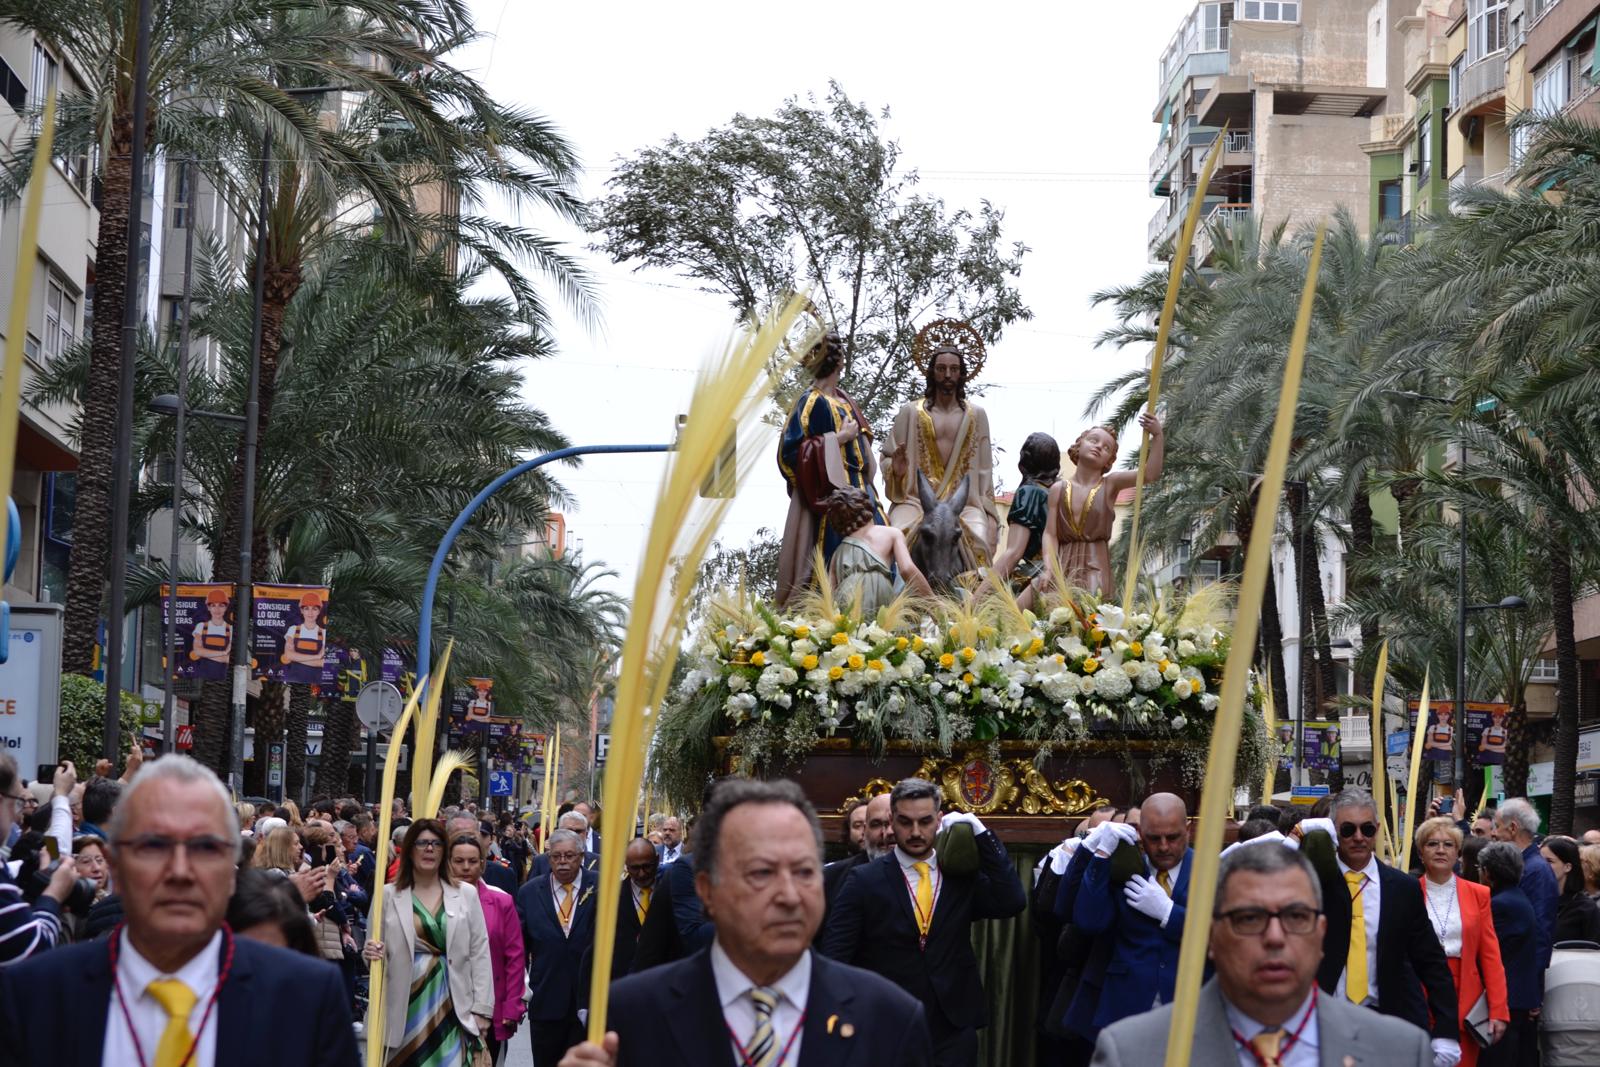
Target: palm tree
point(215, 68)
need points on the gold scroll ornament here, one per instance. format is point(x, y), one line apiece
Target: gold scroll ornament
point(981, 786)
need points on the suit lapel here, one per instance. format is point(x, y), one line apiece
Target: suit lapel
point(87, 1033)
point(895, 879)
point(830, 1022)
point(236, 1016)
point(694, 1016)
point(1213, 1034)
point(1180, 889)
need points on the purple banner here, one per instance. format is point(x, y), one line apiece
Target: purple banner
point(289, 638)
point(203, 619)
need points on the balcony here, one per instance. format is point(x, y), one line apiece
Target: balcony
point(1483, 87)
point(1157, 227)
point(1227, 215)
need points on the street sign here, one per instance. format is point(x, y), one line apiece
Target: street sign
point(1307, 794)
point(602, 748)
point(275, 764)
point(500, 783)
point(379, 702)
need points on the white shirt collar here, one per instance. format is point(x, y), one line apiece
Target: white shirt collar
point(732, 983)
point(1172, 875)
point(135, 973)
point(555, 887)
point(1370, 870)
point(1248, 1028)
point(907, 863)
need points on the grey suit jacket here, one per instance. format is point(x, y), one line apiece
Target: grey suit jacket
point(1347, 1036)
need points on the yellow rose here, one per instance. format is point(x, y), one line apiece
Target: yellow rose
point(967, 677)
point(809, 663)
point(1091, 665)
point(968, 654)
point(947, 661)
point(1163, 665)
point(835, 673)
point(758, 659)
point(1036, 646)
point(802, 631)
point(856, 661)
point(874, 664)
point(900, 644)
point(917, 644)
point(841, 639)
point(1097, 635)
point(1136, 648)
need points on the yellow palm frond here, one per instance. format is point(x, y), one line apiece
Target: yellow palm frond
point(448, 764)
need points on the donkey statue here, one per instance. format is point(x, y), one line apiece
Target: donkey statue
point(936, 547)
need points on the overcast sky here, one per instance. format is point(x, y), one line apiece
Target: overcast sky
point(1043, 110)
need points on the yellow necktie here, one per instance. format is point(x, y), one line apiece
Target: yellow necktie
point(1164, 880)
point(566, 908)
point(177, 1000)
point(1267, 1045)
point(643, 907)
point(1355, 968)
point(924, 898)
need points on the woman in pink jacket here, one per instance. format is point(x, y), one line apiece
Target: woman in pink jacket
point(508, 959)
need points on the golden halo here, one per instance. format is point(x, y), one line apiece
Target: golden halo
point(952, 334)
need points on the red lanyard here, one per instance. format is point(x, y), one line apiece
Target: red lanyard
point(744, 1053)
point(222, 976)
point(938, 881)
point(1289, 1043)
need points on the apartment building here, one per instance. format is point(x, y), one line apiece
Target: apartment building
point(1295, 85)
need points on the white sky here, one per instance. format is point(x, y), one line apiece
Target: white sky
point(1042, 109)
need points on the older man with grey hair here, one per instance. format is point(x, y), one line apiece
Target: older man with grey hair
point(1380, 951)
point(174, 978)
point(1516, 822)
point(557, 910)
point(575, 823)
point(1262, 1006)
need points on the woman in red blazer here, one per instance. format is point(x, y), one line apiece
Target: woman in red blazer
point(1459, 911)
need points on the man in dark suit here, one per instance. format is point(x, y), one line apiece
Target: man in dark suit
point(575, 822)
point(177, 844)
point(1516, 822)
point(1265, 941)
point(591, 836)
point(358, 857)
point(904, 918)
point(557, 912)
point(1143, 915)
point(758, 995)
point(1380, 950)
point(671, 846)
point(633, 908)
point(877, 837)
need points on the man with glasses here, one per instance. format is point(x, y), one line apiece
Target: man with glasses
point(173, 984)
point(1381, 950)
point(558, 912)
point(1263, 1006)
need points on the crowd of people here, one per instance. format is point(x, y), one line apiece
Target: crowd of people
point(151, 919)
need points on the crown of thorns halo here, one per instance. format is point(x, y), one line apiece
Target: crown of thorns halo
point(952, 335)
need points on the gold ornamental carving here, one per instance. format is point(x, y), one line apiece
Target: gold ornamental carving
point(974, 783)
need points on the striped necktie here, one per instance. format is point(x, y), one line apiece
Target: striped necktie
point(763, 1047)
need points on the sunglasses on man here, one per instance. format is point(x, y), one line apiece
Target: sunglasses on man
point(1365, 829)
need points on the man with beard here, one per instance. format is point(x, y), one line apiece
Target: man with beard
point(945, 437)
point(877, 837)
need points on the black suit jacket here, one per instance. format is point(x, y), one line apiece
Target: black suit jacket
point(1413, 978)
point(554, 958)
point(671, 1017)
point(833, 876)
point(658, 940)
point(54, 1009)
point(872, 925)
point(501, 876)
point(623, 948)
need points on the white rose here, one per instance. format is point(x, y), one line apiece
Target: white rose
point(1209, 702)
point(1172, 673)
point(1186, 648)
point(1179, 722)
point(738, 683)
point(1060, 617)
point(1182, 689)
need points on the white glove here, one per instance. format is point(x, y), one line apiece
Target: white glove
point(1145, 896)
point(1124, 832)
point(1101, 840)
point(1325, 825)
point(1270, 837)
point(1446, 1053)
point(951, 818)
point(1061, 855)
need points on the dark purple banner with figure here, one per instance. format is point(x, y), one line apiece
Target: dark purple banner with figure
point(203, 620)
point(290, 637)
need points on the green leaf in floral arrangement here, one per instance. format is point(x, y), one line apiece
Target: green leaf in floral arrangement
point(985, 728)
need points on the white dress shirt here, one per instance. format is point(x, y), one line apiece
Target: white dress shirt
point(669, 853)
point(1444, 911)
point(1303, 1053)
point(908, 870)
point(1371, 898)
point(134, 975)
point(733, 993)
point(555, 898)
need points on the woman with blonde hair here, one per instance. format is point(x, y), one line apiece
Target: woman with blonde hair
point(1589, 858)
point(1459, 912)
point(438, 980)
point(279, 851)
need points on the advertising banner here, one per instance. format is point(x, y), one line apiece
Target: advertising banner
point(1486, 735)
point(396, 670)
point(289, 639)
point(1319, 745)
point(203, 621)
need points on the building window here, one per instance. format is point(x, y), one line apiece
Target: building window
point(1544, 670)
point(1424, 148)
point(1455, 85)
point(46, 73)
point(1486, 28)
point(1391, 201)
point(11, 87)
point(1269, 11)
point(60, 319)
point(1538, 8)
point(1552, 88)
point(181, 208)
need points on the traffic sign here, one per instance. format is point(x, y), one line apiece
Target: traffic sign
point(602, 748)
point(1307, 794)
point(379, 702)
point(500, 783)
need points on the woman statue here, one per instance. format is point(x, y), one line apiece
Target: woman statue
point(1021, 558)
point(1082, 508)
point(868, 555)
point(438, 986)
point(826, 445)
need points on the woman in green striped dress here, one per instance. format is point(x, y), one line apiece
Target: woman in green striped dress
point(438, 983)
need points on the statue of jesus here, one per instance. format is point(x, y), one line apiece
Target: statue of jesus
point(946, 437)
